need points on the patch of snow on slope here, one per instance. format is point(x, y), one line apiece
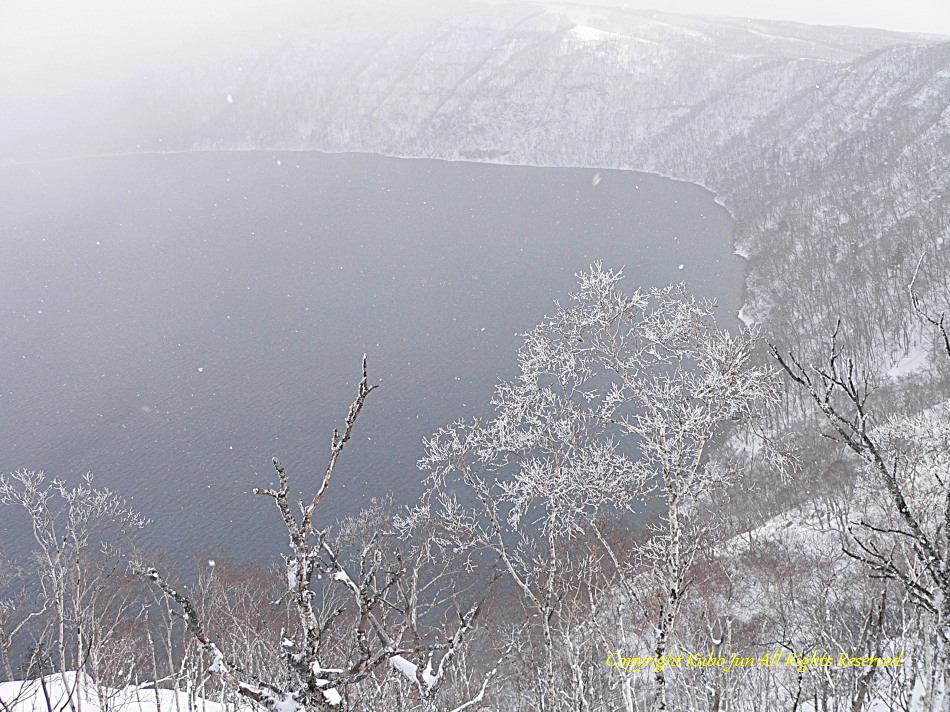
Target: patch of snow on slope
point(914, 360)
point(30, 696)
point(678, 29)
point(802, 529)
point(745, 318)
point(332, 696)
point(583, 33)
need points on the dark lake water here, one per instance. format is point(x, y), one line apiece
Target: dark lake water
point(170, 323)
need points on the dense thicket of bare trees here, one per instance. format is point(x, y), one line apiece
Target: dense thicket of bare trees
point(900, 528)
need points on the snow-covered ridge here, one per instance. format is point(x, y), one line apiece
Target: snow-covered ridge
point(351, 82)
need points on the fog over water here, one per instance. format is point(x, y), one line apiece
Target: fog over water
point(171, 322)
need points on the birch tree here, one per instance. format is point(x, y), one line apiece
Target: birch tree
point(339, 641)
point(617, 405)
point(84, 597)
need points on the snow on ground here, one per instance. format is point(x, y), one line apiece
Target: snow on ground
point(745, 318)
point(802, 529)
point(914, 360)
point(54, 692)
point(591, 34)
point(586, 38)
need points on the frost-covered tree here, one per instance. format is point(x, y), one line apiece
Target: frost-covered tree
point(900, 528)
point(359, 606)
point(618, 402)
point(83, 608)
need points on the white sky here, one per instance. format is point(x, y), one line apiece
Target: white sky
point(53, 47)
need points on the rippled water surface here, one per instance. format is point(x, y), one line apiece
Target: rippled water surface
point(171, 322)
